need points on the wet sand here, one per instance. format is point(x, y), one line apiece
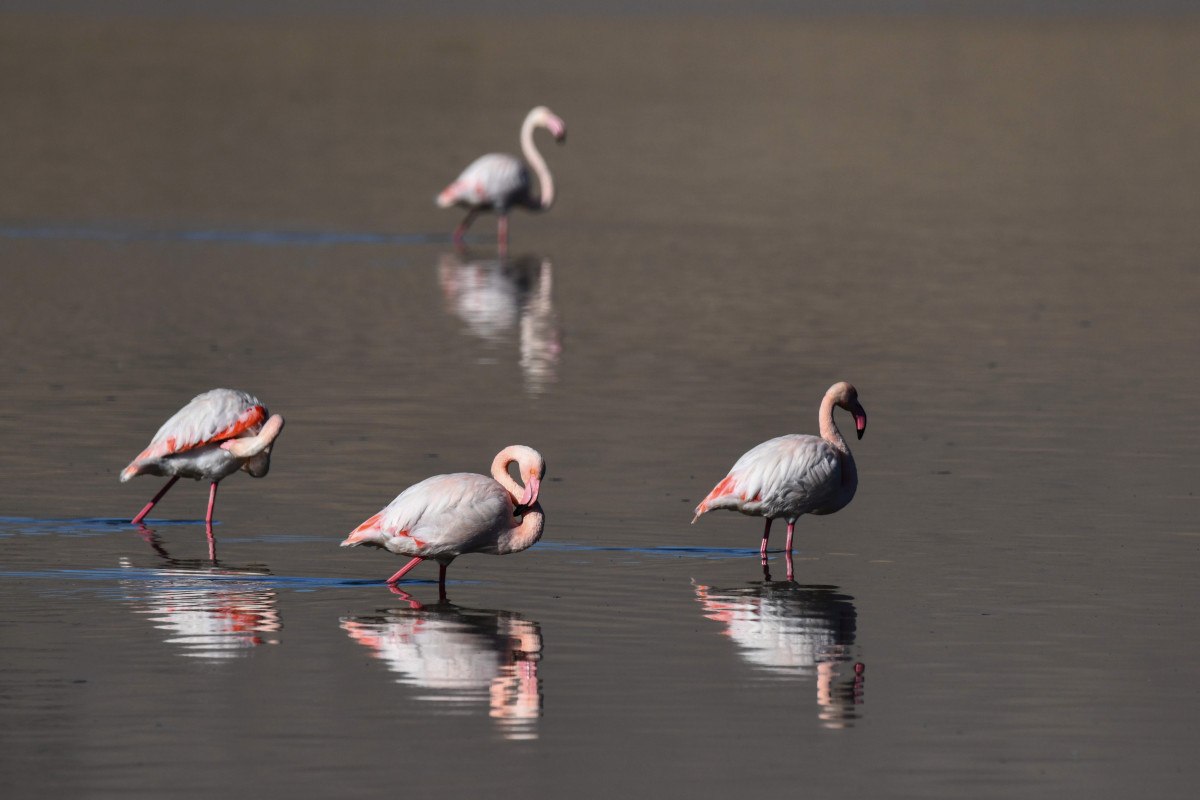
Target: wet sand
point(988, 225)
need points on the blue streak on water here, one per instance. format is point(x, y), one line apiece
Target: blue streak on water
point(97, 526)
point(200, 580)
point(85, 526)
point(686, 552)
point(263, 238)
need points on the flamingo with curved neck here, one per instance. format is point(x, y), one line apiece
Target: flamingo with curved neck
point(446, 516)
point(498, 181)
point(795, 474)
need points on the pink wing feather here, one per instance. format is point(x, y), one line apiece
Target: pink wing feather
point(209, 418)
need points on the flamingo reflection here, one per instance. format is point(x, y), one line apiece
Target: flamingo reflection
point(494, 296)
point(464, 657)
point(790, 632)
point(208, 610)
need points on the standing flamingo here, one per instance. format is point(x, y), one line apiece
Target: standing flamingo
point(794, 474)
point(498, 181)
point(219, 432)
point(445, 516)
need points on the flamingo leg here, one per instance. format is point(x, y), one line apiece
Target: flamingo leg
point(502, 232)
point(762, 551)
point(790, 573)
point(461, 231)
point(212, 501)
point(404, 570)
point(791, 529)
point(442, 582)
point(142, 514)
point(212, 540)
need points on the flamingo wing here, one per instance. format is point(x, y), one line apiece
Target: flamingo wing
point(496, 180)
point(210, 418)
point(442, 515)
point(786, 476)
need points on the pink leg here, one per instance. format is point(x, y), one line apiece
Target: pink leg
point(212, 540)
point(502, 233)
point(762, 551)
point(791, 529)
point(791, 576)
point(212, 501)
point(404, 570)
point(461, 231)
point(142, 514)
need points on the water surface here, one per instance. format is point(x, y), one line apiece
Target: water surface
point(987, 224)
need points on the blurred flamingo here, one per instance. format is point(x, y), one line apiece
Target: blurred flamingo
point(498, 181)
point(216, 434)
point(493, 296)
point(446, 516)
point(794, 474)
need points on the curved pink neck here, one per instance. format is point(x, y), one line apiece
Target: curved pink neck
point(538, 164)
point(829, 428)
point(831, 434)
point(500, 474)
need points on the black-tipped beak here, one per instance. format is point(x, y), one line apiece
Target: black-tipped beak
point(860, 421)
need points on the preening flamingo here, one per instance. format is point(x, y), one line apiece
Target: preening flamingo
point(498, 181)
point(794, 474)
point(446, 516)
point(219, 432)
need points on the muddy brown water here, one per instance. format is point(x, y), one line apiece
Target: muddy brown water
point(987, 224)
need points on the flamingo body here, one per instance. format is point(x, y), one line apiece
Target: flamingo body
point(498, 181)
point(784, 477)
point(216, 434)
point(447, 516)
point(792, 475)
point(494, 182)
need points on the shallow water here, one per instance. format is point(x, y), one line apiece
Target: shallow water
point(988, 225)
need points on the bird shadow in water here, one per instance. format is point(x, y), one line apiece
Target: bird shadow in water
point(494, 297)
point(462, 658)
point(207, 609)
point(792, 632)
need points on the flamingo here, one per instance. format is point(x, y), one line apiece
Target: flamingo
point(445, 516)
point(498, 181)
point(794, 474)
point(216, 434)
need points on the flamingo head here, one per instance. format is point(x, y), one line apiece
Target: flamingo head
point(545, 118)
point(532, 468)
point(846, 396)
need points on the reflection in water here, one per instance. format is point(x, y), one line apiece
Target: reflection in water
point(494, 296)
point(208, 610)
point(793, 632)
point(464, 657)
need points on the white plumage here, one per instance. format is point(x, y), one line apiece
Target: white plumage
point(792, 475)
point(446, 516)
point(498, 181)
point(217, 433)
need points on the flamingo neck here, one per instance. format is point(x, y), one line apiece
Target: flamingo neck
point(534, 158)
point(525, 534)
point(500, 474)
point(831, 434)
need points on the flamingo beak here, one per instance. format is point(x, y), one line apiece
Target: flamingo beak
point(860, 421)
point(559, 130)
point(531, 492)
